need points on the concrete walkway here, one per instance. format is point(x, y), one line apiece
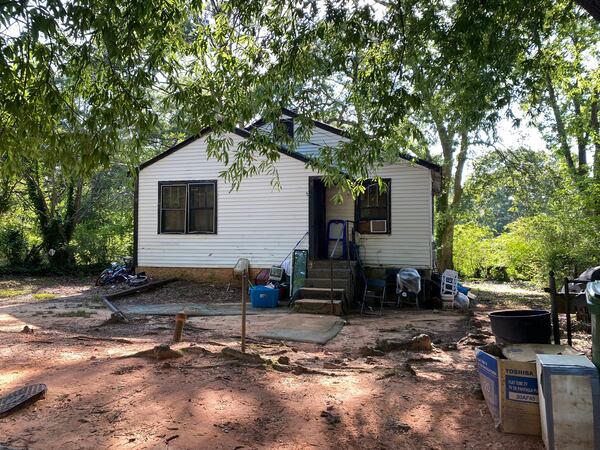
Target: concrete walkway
point(199, 309)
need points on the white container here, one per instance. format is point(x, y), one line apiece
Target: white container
point(569, 396)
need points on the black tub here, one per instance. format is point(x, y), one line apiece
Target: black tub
point(521, 326)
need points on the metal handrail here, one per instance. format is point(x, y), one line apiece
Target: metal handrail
point(337, 241)
point(349, 268)
point(295, 247)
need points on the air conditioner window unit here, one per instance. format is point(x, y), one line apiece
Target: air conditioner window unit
point(378, 226)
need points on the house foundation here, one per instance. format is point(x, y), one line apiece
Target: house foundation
point(204, 274)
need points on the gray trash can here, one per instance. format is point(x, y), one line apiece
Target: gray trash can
point(592, 294)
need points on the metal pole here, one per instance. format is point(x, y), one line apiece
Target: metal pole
point(568, 307)
point(331, 282)
point(555, 325)
point(244, 294)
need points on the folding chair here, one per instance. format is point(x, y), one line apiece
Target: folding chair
point(374, 290)
point(448, 288)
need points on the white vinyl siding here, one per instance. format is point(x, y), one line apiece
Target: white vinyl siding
point(319, 138)
point(256, 222)
point(409, 243)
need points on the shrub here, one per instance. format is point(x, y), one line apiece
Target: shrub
point(472, 245)
point(13, 245)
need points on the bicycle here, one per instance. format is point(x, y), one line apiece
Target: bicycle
point(121, 273)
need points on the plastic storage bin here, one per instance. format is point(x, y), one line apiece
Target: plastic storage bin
point(264, 297)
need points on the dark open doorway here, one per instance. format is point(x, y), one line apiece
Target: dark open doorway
point(317, 228)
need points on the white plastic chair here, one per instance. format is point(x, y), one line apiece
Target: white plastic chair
point(448, 287)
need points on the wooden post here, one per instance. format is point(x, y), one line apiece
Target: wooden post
point(568, 307)
point(179, 322)
point(244, 297)
point(555, 324)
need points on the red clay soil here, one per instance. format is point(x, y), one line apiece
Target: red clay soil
point(357, 398)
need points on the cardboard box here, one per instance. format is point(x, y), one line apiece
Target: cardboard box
point(569, 402)
point(510, 391)
point(510, 386)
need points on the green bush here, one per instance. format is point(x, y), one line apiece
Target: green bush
point(13, 245)
point(102, 241)
point(529, 248)
point(471, 249)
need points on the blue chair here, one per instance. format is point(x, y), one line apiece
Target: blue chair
point(374, 290)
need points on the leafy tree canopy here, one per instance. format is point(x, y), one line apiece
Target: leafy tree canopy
point(83, 81)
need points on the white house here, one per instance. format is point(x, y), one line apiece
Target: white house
point(189, 224)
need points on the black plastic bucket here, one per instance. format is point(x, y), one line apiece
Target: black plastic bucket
point(521, 326)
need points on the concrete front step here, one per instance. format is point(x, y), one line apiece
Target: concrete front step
point(321, 293)
point(318, 306)
point(325, 283)
point(326, 273)
point(326, 264)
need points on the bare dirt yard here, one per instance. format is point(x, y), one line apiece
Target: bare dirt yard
point(356, 392)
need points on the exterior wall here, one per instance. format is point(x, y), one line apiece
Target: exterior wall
point(409, 243)
point(257, 222)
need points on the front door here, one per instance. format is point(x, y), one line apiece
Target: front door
point(316, 219)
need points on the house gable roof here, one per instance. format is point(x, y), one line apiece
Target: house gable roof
point(245, 133)
point(341, 133)
point(238, 131)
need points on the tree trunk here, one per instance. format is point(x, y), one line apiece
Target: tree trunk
point(447, 218)
point(444, 224)
point(582, 141)
point(595, 123)
point(563, 140)
point(446, 239)
point(56, 230)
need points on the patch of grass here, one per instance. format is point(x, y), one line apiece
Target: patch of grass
point(509, 295)
point(44, 296)
point(7, 293)
point(79, 313)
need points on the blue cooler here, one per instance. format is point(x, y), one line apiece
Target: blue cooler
point(264, 297)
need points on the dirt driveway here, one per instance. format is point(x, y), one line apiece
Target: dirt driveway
point(345, 394)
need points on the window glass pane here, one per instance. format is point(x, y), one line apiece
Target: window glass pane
point(202, 208)
point(374, 198)
point(202, 195)
point(374, 214)
point(374, 203)
point(173, 197)
point(173, 220)
point(201, 220)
